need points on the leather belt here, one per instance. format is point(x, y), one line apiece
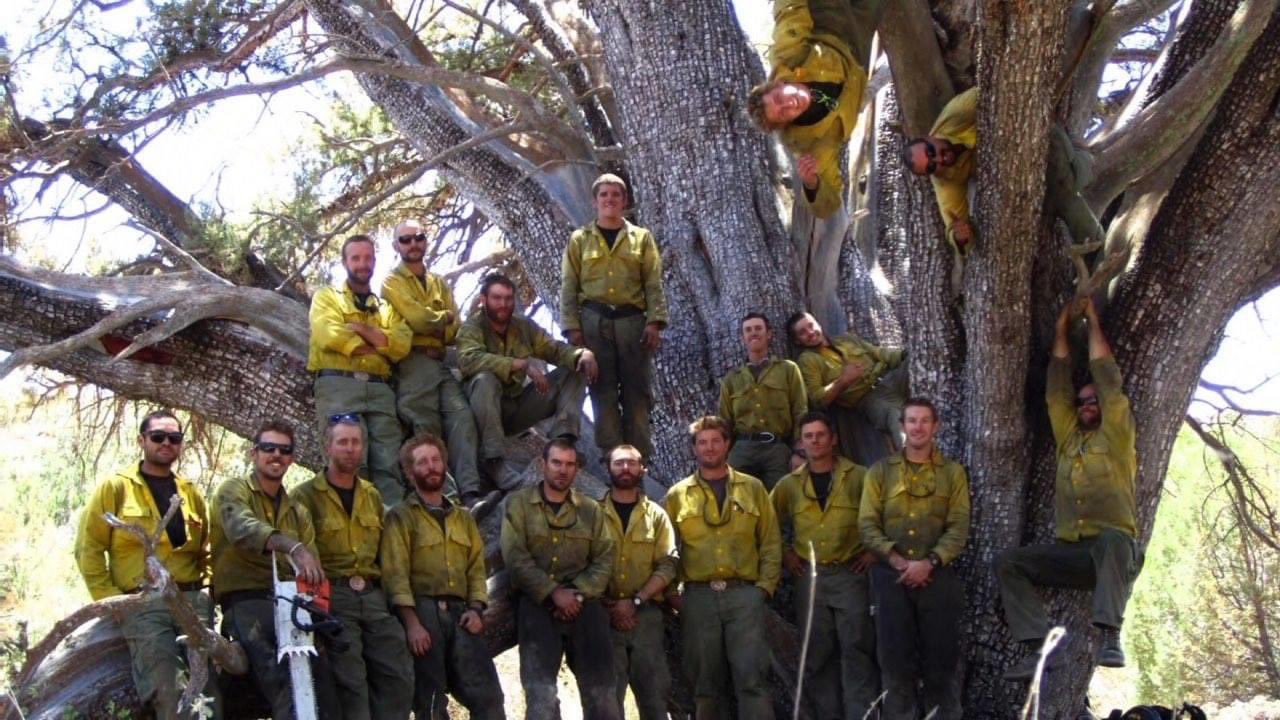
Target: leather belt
point(834, 568)
point(361, 376)
point(431, 352)
point(764, 437)
point(613, 312)
point(235, 596)
point(358, 583)
point(722, 585)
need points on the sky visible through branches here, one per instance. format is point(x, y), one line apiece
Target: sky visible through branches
point(236, 153)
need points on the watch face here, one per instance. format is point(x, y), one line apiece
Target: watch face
point(638, 602)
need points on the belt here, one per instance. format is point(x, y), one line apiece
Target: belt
point(431, 352)
point(361, 376)
point(444, 601)
point(722, 585)
point(358, 583)
point(235, 596)
point(613, 312)
point(764, 437)
point(833, 568)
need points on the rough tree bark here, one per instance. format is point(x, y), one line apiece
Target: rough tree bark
point(1204, 227)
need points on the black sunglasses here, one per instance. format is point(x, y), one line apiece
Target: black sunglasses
point(930, 152)
point(351, 418)
point(406, 239)
point(1082, 401)
point(160, 436)
point(270, 447)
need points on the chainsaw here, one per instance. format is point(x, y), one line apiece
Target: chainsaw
point(301, 611)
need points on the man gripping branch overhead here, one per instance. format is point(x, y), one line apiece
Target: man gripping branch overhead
point(819, 58)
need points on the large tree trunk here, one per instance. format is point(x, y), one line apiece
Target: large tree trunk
point(1207, 236)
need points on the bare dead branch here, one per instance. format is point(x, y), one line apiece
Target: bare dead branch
point(510, 128)
point(1152, 135)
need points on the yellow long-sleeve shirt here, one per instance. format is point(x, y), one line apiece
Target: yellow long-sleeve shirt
point(1094, 487)
point(957, 124)
point(771, 403)
point(480, 349)
point(244, 518)
point(831, 530)
point(915, 511)
point(629, 273)
point(544, 548)
point(112, 561)
point(426, 304)
point(740, 541)
point(421, 558)
point(332, 342)
point(805, 52)
point(348, 544)
point(647, 547)
point(821, 366)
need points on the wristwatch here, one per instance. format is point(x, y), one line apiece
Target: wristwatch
point(635, 600)
point(935, 561)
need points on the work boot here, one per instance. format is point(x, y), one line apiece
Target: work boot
point(1025, 669)
point(482, 506)
point(501, 474)
point(1110, 654)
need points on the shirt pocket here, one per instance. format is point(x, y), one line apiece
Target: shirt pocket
point(134, 512)
point(690, 523)
point(743, 548)
point(1096, 455)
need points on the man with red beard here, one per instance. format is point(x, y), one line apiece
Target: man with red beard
point(644, 564)
point(433, 568)
point(502, 355)
point(1095, 508)
point(355, 338)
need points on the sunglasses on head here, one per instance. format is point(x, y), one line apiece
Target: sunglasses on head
point(158, 437)
point(344, 418)
point(406, 239)
point(1082, 401)
point(270, 447)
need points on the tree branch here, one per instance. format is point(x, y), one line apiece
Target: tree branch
point(1158, 130)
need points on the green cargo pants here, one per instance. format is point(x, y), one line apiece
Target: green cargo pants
point(918, 643)
point(768, 461)
point(640, 660)
point(1067, 174)
point(374, 673)
point(853, 20)
point(584, 642)
point(498, 415)
point(430, 399)
point(158, 660)
point(251, 622)
point(873, 428)
point(375, 403)
point(841, 677)
point(1107, 564)
point(725, 649)
point(623, 391)
point(457, 662)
